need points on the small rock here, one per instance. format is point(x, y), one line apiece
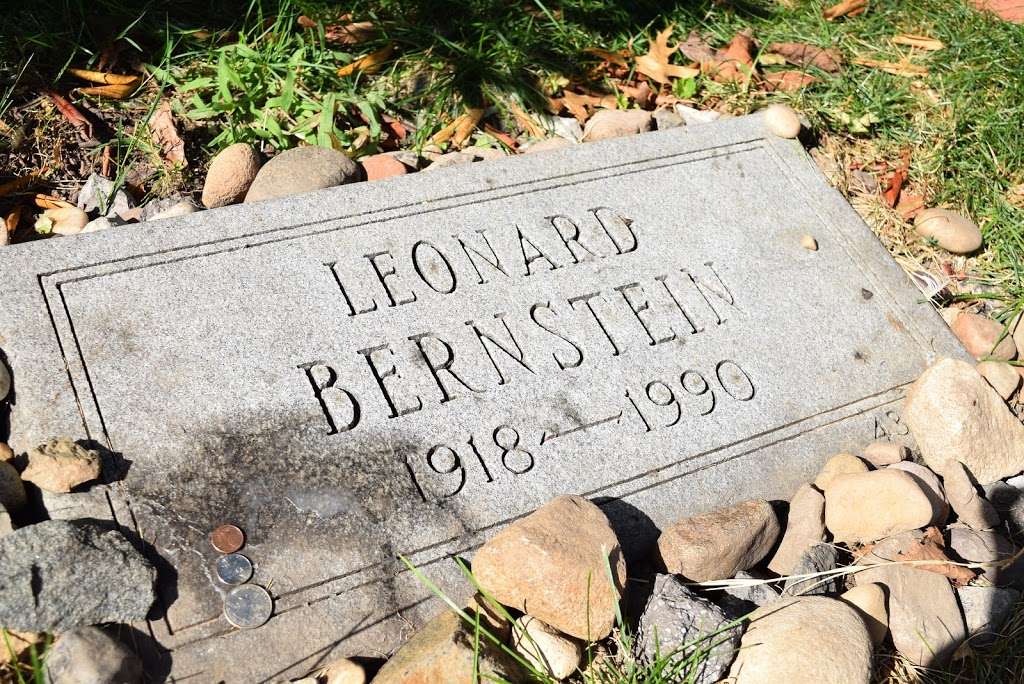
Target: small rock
point(443, 651)
point(817, 558)
point(983, 337)
point(953, 232)
point(863, 507)
point(696, 117)
point(545, 648)
point(739, 601)
point(547, 145)
point(717, 545)
point(89, 655)
point(971, 509)
point(1008, 498)
point(782, 121)
point(5, 380)
point(924, 618)
point(230, 175)
point(614, 123)
point(378, 166)
point(950, 314)
point(676, 622)
point(881, 454)
point(974, 546)
point(172, 207)
point(805, 640)
point(97, 195)
point(344, 671)
point(12, 489)
point(76, 506)
point(42, 590)
point(62, 221)
point(805, 527)
point(301, 169)
point(840, 464)
point(101, 223)
point(869, 601)
point(809, 243)
point(60, 465)
point(952, 412)
point(1003, 377)
point(932, 487)
point(986, 610)
point(450, 159)
point(570, 590)
point(665, 119)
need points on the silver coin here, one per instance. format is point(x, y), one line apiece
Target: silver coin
point(248, 606)
point(234, 568)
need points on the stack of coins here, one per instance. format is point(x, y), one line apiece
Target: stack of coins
point(246, 605)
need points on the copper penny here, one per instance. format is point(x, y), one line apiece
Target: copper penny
point(227, 538)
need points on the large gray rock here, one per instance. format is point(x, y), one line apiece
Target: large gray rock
point(89, 655)
point(676, 622)
point(986, 546)
point(986, 610)
point(57, 575)
point(302, 169)
point(1008, 499)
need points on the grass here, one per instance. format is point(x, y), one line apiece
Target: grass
point(26, 667)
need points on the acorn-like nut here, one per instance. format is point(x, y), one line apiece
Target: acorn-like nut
point(62, 221)
point(782, 121)
point(952, 231)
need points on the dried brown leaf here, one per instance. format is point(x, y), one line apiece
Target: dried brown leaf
point(620, 57)
point(805, 55)
point(787, 81)
point(370, 63)
point(641, 94)
point(18, 184)
point(525, 121)
point(165, 135)
point(846, 8)
point(13, 218)
point(466, 126)
point(581, 106)
point(909, 206)
point(656, 65)
point(918, 41)
point(114, 92)
point(105, 78)
point(903, 68)
point(696, 49)
point(71, 113)
point(734, 63)
point(51, 202)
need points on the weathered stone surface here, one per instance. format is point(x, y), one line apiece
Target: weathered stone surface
point(613, 123)
point(676, 622)
point(665, 118)
point(554, 564)
point(717, 545)
point(76, 505)
point(344, 671)
point(953, 413)
point(870, 602)
point(299, 170)
point(56, 576)
point(863, 507)
point(741, 600)
point(1008, 499)
point(932, 486)
point(984, 337)
point(60, 465)
point(840, 464)
point(230, 174)
point(806, 640)
point(547, 145)
point(89, 655)
point(182, 349)
point(986, 546)
point(881, 454)
point(971, 508)
point(1003, 377)
point(545, 648)
point(986, 610)
point(815, 559)
point(805, 525)
point(924, 617)
point(952, 232)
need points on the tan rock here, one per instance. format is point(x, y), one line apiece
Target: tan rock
point(60, 465)
point(719, 544)
point(12, 489)
point(932, 486)
point(953, 232)
point(971, 508)
point(924, 618)
point(1003, 377)
point(442, 652)
point(554, 563)
point(950, 314)
point(492, 618)
point(984, 337)
point(299, 170)
point(6, 453)
point(840, 464)
point(806, 640)
point(613, 123)
point(869, 601)
point(952, 412)
point(805, 526)
point(378, 166)
point(863, 507)
point(881, 454)
point(782, 121)
point(231, 173)
point(545, 648)
point(343, 671)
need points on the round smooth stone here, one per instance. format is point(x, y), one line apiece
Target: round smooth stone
point(248, 606)
point(234, 568)
point(953, 232)
point(782, 121)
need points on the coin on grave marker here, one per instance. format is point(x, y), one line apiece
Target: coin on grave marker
point(227, 538)
point(248, 606)
point(234, 568)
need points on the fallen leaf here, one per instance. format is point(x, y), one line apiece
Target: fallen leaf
point(896, 181)
point(696, 49)
point(370, 63)
point(13, 218)
point(805, 55)
point(787, 81)
point(909, 206)
point(17, 185)
point(581, 105)
point(526, 122)
point(465, 128)
point(104, 77)
point(51, 202)
point(655, 64)
point(929, 547)
point(350, 34)
point(620, 57)
point(114, 92)
point(165, 135)
point(903, 68)
point(846, 8)
point(919, 42)
point(395, 127)
point(504, 137)
point(771, 59)
point(734, 63)
point(105, 162)
point(641, 94)
point(71, 113)
point(1008, 10)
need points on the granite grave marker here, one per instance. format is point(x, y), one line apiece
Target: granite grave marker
point(400, 368)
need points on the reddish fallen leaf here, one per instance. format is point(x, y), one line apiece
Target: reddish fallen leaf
point(71, 113)
point(641, 94)
point(787, 81)
point(928, 547)
point(1007, 10)
point(734, 63)
point(909, 206)
point(105, 162)
point(656, 63)
point(582, 105)
point(395, 127)
point(370, 63)
point(526, 122)
point(805, 55)
point(13, 218)
point(346, 33)
point(504, 137)
point(896, 181)
point(846, 8)
point(696, 49)
point(620, 57)
point(165, 135)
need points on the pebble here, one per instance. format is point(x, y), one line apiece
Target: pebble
point(805, 640)
point(62, 221)
point(986, 610)
point(817, 558)
point(863, 507)
point(344, 671)
point(97, 195)
point(5, 380)
point(60, 465)
point(545, 648)
point(696, 117)
point(1003, 377)
point(665, 118)
point(717, 545)
point(578, 545)
point(230, 175)
point(951, 411)
point(932, 486)
point(881, 454)
point(676, 623)
point(101, 223)
point(981, 336)
point(953, 232)
point(869, 600)
point(548, 145)
point(970, 507)
point(12, 489)
point(171, 208)
point(299, 170)
point(986, 546)
point(805, 526)
point(614, 123)
point(840, 464)
point(88, 655)
point(809, 243)
point(782, 121)
point(378, 166)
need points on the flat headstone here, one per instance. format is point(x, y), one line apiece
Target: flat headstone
point(400, 368)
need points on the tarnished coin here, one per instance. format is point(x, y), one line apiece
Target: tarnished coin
point(248, 606)
point(227, 538)
point(234, 568)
